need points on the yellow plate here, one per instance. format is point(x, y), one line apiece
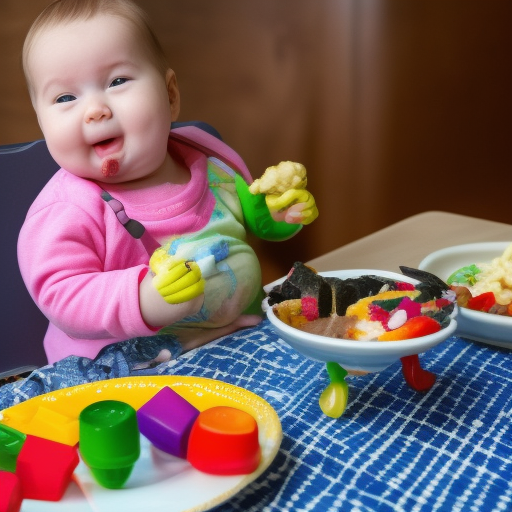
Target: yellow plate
point(158, 482)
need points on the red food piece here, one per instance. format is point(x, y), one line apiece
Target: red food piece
point(482, 302)
point(10, 492)
point(309, 307)
point(413, 328)
point(45, 468)
point(224, 441)
point(378, 314)
point(405, 287)
point(441, 303)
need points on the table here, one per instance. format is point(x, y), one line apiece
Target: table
point(394, 449)
point(407, 242)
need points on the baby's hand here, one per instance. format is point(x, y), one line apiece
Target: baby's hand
point(175, 280)
point(295, 206)
point(284, 186)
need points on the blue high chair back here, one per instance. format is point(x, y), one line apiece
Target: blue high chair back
point(24, 170)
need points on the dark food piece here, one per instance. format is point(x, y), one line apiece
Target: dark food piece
point(336, 295)
point(302, 281)
point(431, 286)
point(349, 291)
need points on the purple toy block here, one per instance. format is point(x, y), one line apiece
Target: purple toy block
point(166, 420)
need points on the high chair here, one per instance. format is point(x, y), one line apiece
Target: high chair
point(24, 170)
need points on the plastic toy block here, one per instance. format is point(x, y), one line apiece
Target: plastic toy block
point(10, 492)
point(45, 467)
point(54, 426)
point(11, 442)
point(166, 420)
point(224, 441)
point(109, 441)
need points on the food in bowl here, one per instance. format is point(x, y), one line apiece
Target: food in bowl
point(364, 308)
point(485, 286)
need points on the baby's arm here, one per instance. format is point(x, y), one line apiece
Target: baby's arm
point(68, 268)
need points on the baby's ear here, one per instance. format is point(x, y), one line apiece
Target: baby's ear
point(174, 93)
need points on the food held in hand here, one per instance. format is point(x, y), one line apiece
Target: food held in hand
point(366, 308)
point(484, 286)
point(280, 178)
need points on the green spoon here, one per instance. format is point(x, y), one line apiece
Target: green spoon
point(334, 397)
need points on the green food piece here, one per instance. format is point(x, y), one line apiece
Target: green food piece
point(388, 304)
point(465, 275)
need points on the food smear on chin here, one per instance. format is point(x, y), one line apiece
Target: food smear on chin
point(364, 308)
point(110, 167)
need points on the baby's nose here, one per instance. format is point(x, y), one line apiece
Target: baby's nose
point(96, 111)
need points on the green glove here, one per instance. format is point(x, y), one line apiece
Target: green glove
point(257, 215)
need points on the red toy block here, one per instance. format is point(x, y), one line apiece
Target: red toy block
point(10, 492)
point(45, 468)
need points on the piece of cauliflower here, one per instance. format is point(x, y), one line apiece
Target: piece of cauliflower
point(280, 178)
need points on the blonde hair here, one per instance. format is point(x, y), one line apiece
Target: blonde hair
point(65, 11)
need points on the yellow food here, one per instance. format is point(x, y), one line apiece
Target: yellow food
point(496, 277)
point(280, 178)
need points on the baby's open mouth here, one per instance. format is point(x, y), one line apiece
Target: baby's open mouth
point(104, 142)
point(108, 147)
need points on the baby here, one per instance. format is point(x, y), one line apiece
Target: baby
point(142, 230)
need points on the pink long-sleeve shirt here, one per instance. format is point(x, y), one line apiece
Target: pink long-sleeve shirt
point(81, 266)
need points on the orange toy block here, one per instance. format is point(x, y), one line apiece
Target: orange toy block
point(224, 441)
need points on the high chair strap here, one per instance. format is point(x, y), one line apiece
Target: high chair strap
point(134, 227)
point(211, 146)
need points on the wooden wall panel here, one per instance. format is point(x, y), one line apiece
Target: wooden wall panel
point(274, 77)
point(446, 136)
point(395, 107)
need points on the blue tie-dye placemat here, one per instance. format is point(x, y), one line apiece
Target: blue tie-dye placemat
point(393, 449)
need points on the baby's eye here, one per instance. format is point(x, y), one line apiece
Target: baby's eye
point(65, 98)
point(118, 81)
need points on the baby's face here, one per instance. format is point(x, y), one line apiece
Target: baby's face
point(101, 103)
